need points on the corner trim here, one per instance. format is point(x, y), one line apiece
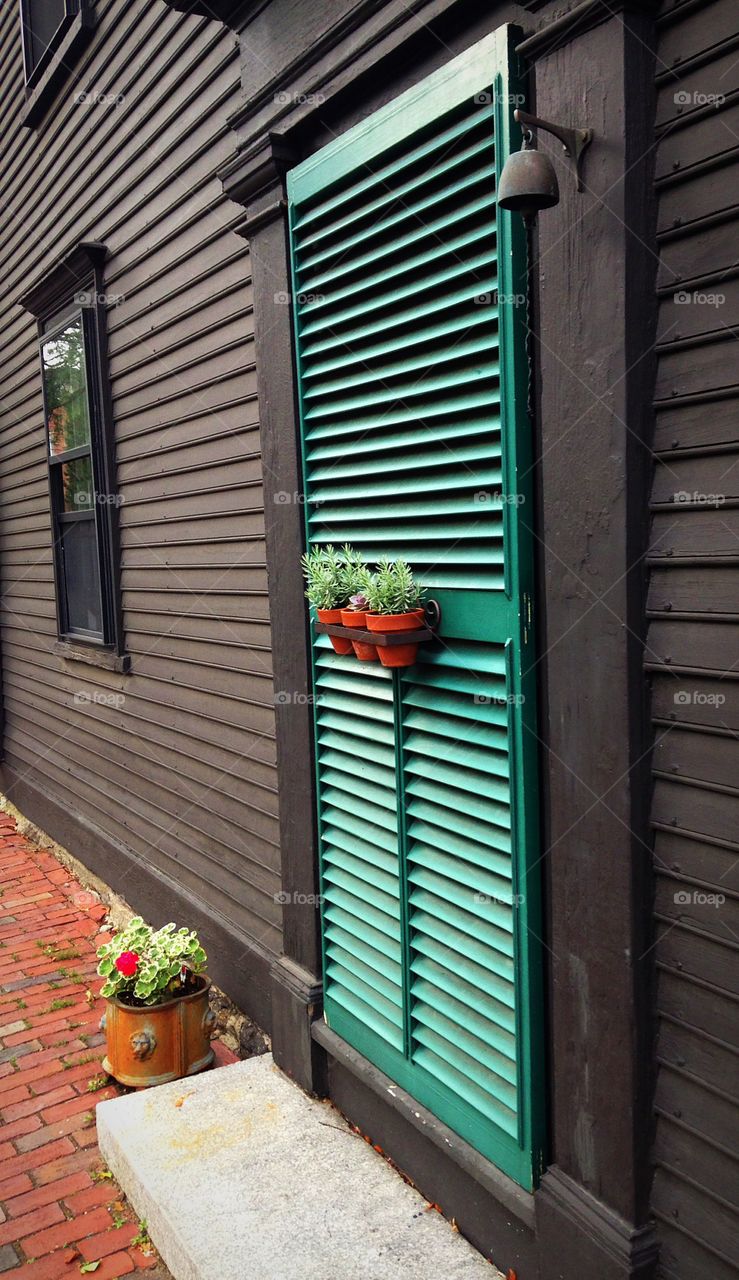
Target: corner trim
point(633, 1250)
point(518, 1202)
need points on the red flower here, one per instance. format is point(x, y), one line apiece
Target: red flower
point(127, 963)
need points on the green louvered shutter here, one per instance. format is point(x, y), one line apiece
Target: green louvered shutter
point(409, 293)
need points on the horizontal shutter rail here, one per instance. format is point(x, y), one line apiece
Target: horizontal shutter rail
point(460, 999)
point(465, 896)
point(344, 799)
point(433, 814)
point(354, 877)
point(479, 808)
point(375, 751)
point(341, 761)
point(374, 797)
point(333, 197)
point(482, 1049)
point(469, 968)
point(436, 906)
point(369, 978)
point(383, 514)
point(406, 319)
point(490, 717)
point(384, 942)
point(423, 740)
point(331, 246)
point(491, 874)
point(486, 425)
point(385, 373)
point(340, 712)
point(367, 1014)
point(455, 321)
point(396, 486)
point(446, 771)
point(378, 961)
point(428, 854)
point(432, 458)
point(314, 321)
point(361, 911)
point(467, 1077)
point(474, 215)
point(459, 1072)
point(344, 840)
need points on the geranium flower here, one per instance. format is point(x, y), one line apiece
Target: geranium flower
point(127, 963)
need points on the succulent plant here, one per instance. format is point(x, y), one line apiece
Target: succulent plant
point(393, 589)
point(334, 577)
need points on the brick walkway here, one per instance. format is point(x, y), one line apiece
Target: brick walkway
point(57, 1213)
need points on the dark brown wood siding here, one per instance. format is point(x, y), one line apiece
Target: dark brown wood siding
point(181, 768)
point(693, 639)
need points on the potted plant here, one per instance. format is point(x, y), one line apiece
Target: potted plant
point(157, 1020)
point(358, 579)
point(394, 604)
point(325, 571)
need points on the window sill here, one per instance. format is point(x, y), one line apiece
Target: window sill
point(104, 658)
point(43, 93)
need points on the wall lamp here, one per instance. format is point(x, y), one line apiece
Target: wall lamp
point(528, 182)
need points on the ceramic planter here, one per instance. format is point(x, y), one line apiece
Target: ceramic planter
point(153, 1044)
point(334, 616)
point(396, 655)
point(357, 618)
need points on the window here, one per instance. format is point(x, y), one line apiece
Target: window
point(43, 22)
point(53, 32)
point(78, 436)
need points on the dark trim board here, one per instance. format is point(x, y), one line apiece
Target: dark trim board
point(234, 962)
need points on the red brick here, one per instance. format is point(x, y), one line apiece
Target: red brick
point(15, 1186)
point(20, 1128)
point(143, 1260)
point(35, 1159)
point(86, 1137)
point(60, 1190)
point(68, 1163)
point(33, 1060)
point(32, 1105)
point(80, 1102)
point(19, 1094)
point(45, 1216)
point(106, 1242)
point(89, 1224)
point(117, 1264)
point(6, 1069)
point(91, 1197)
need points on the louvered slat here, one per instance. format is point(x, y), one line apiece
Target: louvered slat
point(378, 498)
point(460, 893)
point(361, 887)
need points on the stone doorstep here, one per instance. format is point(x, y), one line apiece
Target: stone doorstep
point(242, 1176)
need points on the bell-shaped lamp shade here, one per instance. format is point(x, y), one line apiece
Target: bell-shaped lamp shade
point(528, 183)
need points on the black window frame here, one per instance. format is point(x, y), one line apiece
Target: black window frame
point(44, 78)
point(74, 290)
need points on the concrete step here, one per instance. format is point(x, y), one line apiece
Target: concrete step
point(242, 1176)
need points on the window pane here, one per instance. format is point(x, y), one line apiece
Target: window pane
point(77, 490)
point(65, 388)
point(81, 576)
point(41, 18)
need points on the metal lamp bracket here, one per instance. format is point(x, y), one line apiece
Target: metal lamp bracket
point(574, 141)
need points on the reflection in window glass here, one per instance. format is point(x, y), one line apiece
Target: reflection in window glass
point(77, 482)
point(65, 389)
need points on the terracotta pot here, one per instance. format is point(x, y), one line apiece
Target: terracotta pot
point(157, 1043)
point(334, 616)
point(396, 655)
point(357, 618)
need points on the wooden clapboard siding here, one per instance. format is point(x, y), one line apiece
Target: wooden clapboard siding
point(182, 772)
point(693, 639)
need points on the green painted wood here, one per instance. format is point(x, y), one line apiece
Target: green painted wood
point(413, 387)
